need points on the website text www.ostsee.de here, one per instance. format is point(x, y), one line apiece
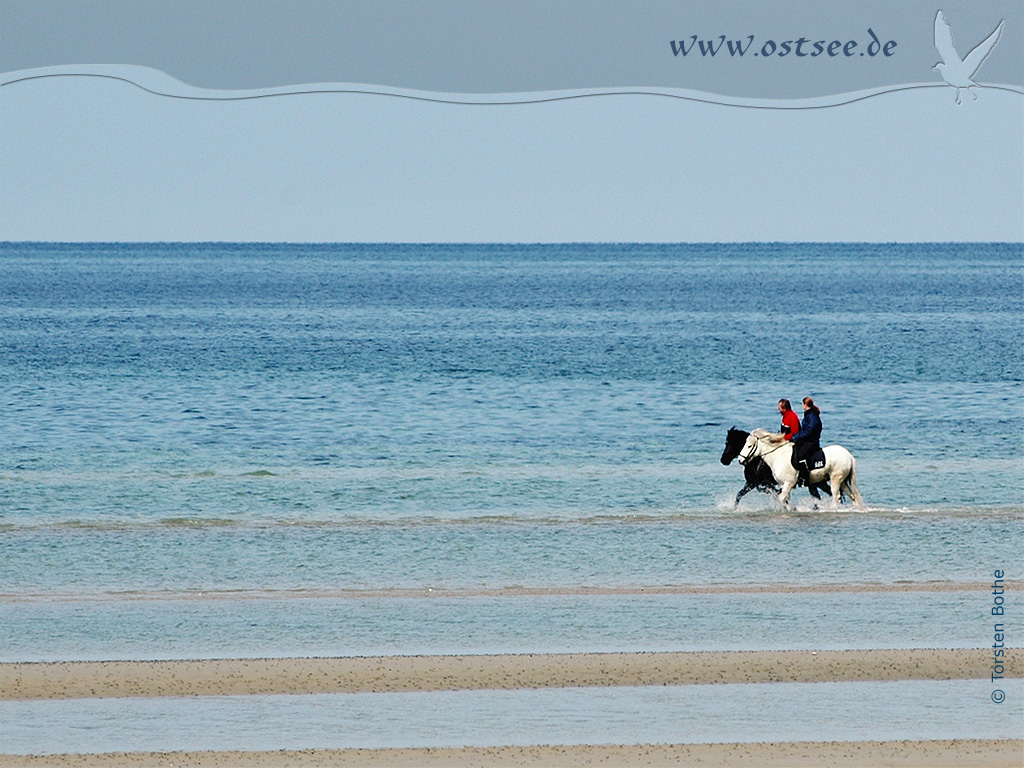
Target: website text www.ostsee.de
point(803, 47)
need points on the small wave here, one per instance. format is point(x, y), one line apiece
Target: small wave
point(120, 526)
point(512, 591)
point(721, 513)
point(259, 473)
point(197, 522)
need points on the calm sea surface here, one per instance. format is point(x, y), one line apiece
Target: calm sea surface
point(221, 449)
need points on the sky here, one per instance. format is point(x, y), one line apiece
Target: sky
point(85, 158)
point(88, 159)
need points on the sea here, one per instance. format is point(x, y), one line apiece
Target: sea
point(219, 450)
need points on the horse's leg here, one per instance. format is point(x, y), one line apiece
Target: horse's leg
point(747, 488)
point(766, 479)
point(851, 486)
point(787, 488)
point(823, 485)
point(836, 481)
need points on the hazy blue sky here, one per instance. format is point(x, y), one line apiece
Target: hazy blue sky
point(92, 159)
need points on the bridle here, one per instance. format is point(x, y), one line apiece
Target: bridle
point(757, 441)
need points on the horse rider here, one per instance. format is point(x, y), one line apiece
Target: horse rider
point(806, 440)
point(790, 421)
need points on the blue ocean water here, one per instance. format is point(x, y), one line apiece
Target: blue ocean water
point(293, 422)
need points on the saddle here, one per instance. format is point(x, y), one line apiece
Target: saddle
point(815, 461)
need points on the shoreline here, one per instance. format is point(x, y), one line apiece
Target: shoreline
point(947, 753)
point(380, 674)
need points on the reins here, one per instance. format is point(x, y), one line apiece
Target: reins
point(757, 441)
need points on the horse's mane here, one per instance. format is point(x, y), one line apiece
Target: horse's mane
point(769, 437)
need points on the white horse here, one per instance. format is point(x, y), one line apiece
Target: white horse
point(840, 467)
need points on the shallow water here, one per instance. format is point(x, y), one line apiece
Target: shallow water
point(802, 549)
point(627, 715)
point(233, 627)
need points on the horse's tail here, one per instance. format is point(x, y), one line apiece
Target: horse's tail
point(850, 485)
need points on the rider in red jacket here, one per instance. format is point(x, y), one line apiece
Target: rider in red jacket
point(790, 421)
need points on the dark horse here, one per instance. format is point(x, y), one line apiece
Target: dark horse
point(757, 474)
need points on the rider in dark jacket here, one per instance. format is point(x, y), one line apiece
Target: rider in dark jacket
point(806, 441)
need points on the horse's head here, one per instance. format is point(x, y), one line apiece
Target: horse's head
point(734, 441)
point(750, 449)
point(758, 443)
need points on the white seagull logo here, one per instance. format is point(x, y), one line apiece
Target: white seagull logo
point(954, 70)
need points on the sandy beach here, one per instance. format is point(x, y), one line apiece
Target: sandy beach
point(976, 753)
point(65, 680)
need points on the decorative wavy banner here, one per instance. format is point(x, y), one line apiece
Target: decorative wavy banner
point(160, 84)
point(469, 52)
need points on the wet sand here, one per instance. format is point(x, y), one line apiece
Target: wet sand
point(66, 680)
point(976, 753)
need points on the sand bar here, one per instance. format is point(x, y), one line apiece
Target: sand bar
point(88, 679)
point(976, 753)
